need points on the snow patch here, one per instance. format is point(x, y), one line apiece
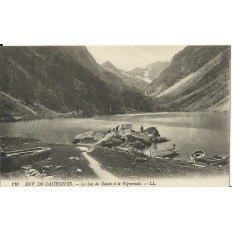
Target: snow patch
point(147, 80)
point(144, 79)
point(126, 74)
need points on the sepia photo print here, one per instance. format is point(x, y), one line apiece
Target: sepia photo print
point(114, 116)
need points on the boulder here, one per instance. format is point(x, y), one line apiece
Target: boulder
point(137, 144)
point(111, 142)
point(84, 137)
point(125, 132)
point(152, 131)
point(141, 137)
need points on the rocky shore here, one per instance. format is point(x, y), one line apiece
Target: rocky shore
point(126, 140)
point(121, 153)
point(118, 152)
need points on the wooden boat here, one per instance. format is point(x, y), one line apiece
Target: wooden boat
point(199, 164)
point(165, 154)
point(197, 156)
point(14, 159)
point(217, 159)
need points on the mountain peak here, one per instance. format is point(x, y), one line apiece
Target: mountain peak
point(137, 82)
point(109, 65)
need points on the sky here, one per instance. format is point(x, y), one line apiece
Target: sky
point(129, 57)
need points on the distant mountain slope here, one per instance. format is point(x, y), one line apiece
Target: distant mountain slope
point(86, 59)
point(185, 62)
point(137, 72)
point(63, 79)
point(155, 69)
point(197, 79)
point(131, 81)
point(151, 71)
point(139, 78)
point(192, 79)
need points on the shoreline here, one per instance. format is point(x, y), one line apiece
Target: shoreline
point(123, 164)
point(120, 164)
point(114, 115)
point(59, 165)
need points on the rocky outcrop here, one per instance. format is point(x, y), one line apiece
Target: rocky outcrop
point(111, 142)
point(138, 145)
point(152, 132)
point(140, 137)
point(160, 139)
point(87, 136)
point(130, 150)
point(123, 140)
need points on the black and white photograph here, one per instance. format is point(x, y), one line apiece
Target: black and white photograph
point(115, 115)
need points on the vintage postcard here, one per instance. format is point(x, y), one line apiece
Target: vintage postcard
point(120, 116)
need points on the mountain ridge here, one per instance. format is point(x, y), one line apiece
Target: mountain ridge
point(50, 82)
point(55, 78)
point(197, 74)
point(129, 80)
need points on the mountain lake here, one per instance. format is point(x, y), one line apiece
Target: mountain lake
point(190, 131)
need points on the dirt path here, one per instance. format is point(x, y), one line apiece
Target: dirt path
point(99, 171)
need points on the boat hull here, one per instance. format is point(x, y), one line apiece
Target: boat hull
point(169, 153)
point(197, 156)
point(219, 161)
point(13, 160)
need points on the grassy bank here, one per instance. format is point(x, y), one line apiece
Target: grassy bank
point(61, 166)
point(123, 164)
point(120, 164)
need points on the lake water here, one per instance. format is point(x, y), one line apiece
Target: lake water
point(189, 131)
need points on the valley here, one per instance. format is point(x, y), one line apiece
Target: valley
point(70, 83)
point(145, 122)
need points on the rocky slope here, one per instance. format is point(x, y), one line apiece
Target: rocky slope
point(62, 80)
point(82, 55)
point(139, 78)
point(197, 79)
point(155, 69)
